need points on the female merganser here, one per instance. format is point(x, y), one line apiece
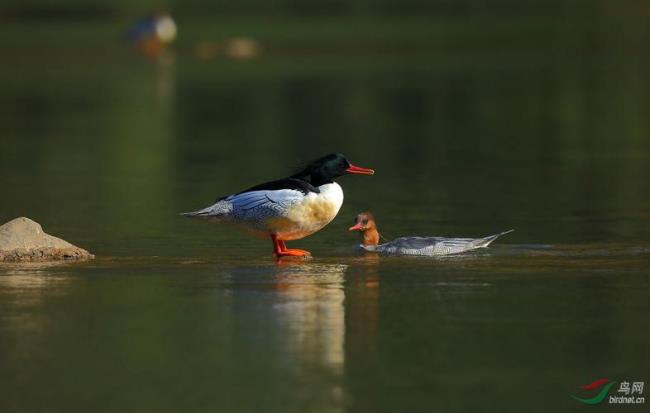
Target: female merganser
point(365, 223)
point(289, 208)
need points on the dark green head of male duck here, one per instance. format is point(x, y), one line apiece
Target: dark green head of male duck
point(324, 170)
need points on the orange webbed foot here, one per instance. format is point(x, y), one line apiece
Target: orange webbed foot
point(293, 253)
point(280, 249)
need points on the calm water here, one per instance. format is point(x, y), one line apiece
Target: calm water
point(470, 134)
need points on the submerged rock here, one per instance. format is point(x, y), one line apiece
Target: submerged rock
point(23, 240)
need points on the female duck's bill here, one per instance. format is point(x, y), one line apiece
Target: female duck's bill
point(424, 246)
point(365, 222)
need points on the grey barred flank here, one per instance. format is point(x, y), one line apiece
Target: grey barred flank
point(432, 246)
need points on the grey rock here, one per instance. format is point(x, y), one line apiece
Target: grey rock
point(23, 240)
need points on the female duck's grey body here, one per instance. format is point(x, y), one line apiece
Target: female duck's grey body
point(431, 246)
point(425, 246)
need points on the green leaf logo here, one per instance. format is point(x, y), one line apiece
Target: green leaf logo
point(606, 385)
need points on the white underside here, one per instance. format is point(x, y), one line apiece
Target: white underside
point(287, 213)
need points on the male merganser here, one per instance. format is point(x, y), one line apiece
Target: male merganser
point(365, 222)
point(289, 208)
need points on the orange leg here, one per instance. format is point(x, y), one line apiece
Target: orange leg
point(280, 249)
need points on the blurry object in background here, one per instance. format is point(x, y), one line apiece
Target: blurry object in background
point(151, 35)
point(206, 50)
point(234, 48)
point(242, 48)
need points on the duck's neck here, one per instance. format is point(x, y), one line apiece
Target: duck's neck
point(315, 179)
point(371, 237)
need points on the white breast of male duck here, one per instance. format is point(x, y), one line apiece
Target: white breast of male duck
point(310, 214)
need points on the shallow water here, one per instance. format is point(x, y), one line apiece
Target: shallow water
point(177, 314)
point(329, 334)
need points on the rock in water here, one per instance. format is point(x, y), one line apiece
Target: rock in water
point(23, 240)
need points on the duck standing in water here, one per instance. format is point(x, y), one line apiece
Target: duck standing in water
point(426, 246)
point(289, 208)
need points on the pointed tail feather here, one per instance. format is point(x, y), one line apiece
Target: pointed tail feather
point(194, 214)
point(201, 214)
point(484, 242)
point(217, 210)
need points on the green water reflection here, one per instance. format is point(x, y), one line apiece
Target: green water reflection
point(344, 334)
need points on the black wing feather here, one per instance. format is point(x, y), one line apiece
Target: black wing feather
point(286, 183)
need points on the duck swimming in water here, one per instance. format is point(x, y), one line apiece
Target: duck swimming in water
point(427, 246)
point(289, 208)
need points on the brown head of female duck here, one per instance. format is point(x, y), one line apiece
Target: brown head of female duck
point(365, 223)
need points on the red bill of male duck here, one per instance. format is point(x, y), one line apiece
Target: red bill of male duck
point(426, 246)
point(290, 208)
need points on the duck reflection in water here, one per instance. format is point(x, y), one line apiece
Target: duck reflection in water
point(362, 306)
point(311, 307)
point(316, 318)
point(332, 312)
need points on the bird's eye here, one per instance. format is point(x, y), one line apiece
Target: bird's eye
point(365, 221)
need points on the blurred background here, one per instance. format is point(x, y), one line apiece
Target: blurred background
point(478, 117)
point(491, 114)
